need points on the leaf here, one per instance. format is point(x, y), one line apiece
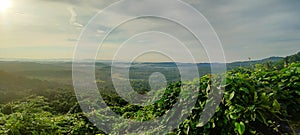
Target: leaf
point(231, 95)
point(262, 118)
point(244, 89)
point(207, 89)
point(240, 127)
point(233, 116)
point(276, 105)
point(298, 92)
point(263, 96)
point(255, 96)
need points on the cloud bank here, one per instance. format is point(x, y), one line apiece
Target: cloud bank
point(249, 28)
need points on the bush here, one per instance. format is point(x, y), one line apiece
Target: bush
point(255, 101)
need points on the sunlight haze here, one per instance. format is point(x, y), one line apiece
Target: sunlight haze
point(49, 29)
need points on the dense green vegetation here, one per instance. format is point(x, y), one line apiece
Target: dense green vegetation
point(261, 99)
point(256, 101)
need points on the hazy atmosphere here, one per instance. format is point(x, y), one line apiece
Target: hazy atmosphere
point(49, 29)
point(174, 67)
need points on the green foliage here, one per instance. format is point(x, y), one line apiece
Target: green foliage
point(255, 101)
point(287, 61)
point(34, 116)
point(264, 99)
point(240, 127)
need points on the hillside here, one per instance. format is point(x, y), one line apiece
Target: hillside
point(13, 87)
point(260, 97)
point(255, 101)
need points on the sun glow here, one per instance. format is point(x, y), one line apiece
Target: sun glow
point(4, 4)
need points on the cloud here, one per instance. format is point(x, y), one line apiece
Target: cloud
point(73, 17)
point(72, 40)
point(254, 28)
point(248, 28)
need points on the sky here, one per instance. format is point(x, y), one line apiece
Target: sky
point(50, 29)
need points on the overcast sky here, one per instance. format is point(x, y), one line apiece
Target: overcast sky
point(50, 29)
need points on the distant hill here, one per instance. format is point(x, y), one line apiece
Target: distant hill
point(288, 60)
point(20, 78)
point(293, 58)
point(14, 86)
point(253, 62)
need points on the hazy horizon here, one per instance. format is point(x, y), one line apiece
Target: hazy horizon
point(100, 60)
